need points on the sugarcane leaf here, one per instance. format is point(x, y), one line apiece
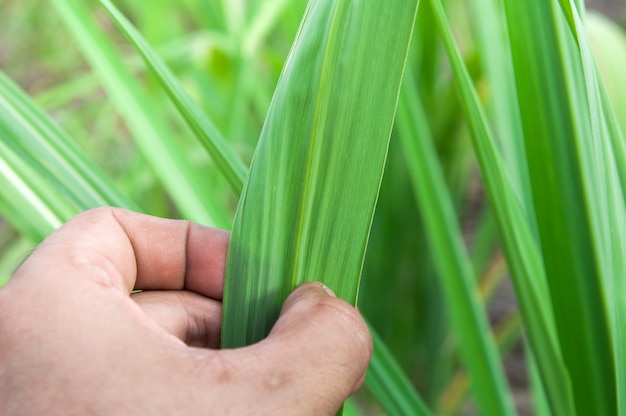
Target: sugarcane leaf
point(519, 243)
point(45, 178)
point(185, 182)
point(205, 130)
point(26, 202)
point(389, 384)
point(492, 42)
point(308, 202)
point(265, 19)
point(578, 198)
point(469, 319)
point(47, 149)
point(606, 207)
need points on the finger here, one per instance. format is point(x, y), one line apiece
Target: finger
point(115, 247)
point(314, 358)
point(313, 307)
point(194, 319)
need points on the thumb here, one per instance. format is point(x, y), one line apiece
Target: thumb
point(322, 345)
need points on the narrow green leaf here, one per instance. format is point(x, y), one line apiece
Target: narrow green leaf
point(262, 24)
point(307, 206)
point(388, 383)
point(25, 204)
point(605, 72)
point(39, 142)
point(494, 52)
point(578, 200)
point(519, 244)
point(607, 132)
point(205, 130)
point(615, 131)
point(469, 320)
point(45, 178)
point(606, 206)
point(184, 181)
point(541, 404)
point(507, 334)
point(485, 241)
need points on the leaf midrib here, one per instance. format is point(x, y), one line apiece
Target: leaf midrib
point(298, 260)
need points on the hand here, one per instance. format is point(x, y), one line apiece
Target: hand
point(74, 340)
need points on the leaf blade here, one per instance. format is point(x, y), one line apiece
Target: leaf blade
point(578, 203)
point(184, 182)
point(315, 138)
point(205, 130)
point(469, 319)
point(519, 243)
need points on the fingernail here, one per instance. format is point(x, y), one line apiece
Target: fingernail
point(328, 290)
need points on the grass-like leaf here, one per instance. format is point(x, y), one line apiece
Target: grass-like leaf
point(388, 383)
point(469, 320)
point(38, 141)
point(45, 179)
point(495, 55)
point(608, 41)
point(307, 206)
point(606, 206)
point(184, 181)
point(518, 240)
point(26, 201)
point(205, 130)
point(570, 156)
point(264, 21)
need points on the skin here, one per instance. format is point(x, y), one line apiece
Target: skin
point(75, 341)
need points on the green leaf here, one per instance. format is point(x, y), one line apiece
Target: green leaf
point(307, 206)
point(26, 201)
point(480, 354)
point(185, 182)
point(495, 54)
point(45, 179)
point(388, 383)
point(518, 241)
point(39, 142)
point(606, 207)
point(507, 334)
point(264, 21)
point(578, 200)
point(205, 130)
point(608, 41)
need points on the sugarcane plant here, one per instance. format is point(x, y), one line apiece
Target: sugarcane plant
point(409, 166)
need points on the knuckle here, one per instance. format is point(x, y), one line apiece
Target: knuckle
point(347, 321)
point(94, 266)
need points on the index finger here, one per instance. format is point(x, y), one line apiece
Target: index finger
point(127, 250)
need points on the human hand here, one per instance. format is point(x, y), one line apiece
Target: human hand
point(74, 340)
